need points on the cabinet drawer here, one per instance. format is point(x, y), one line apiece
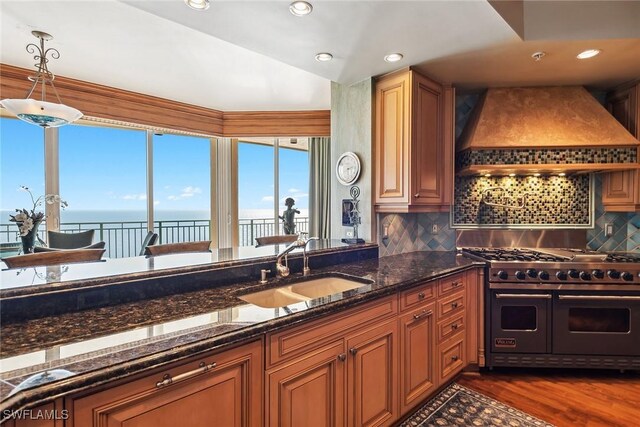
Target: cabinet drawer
point(451, 358)
point(450, 327)
point(451, 305)
point(299, 340)
point(422, 293)
point(450, 284)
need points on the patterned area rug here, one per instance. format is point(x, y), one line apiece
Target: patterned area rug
point(459, 406)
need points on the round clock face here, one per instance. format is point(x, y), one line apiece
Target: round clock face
point(348, 168)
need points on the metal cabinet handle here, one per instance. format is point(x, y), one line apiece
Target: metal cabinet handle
point(528, 296)
point(167, 379)
point(454, 358)
point(421, 295)
point(456, 284)
point(454, 305)
point(425, 313)
point(353, 351)
point(342, 357)
point(600, 297)
point(417, 195)
point(454, 326)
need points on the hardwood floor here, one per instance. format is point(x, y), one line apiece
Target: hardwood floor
point(565, 398)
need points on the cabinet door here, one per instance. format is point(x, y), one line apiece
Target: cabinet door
point(417, 356)
point(621, 190)
point(308, 391)
point(392, 138)
point(372, 382)
point(427, 149)
point(230, 394)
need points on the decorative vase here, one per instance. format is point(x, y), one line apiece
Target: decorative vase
point(29, 240)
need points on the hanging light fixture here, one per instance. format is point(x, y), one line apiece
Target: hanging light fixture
point(41, 112)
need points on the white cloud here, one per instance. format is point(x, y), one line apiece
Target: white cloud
point(156, 202)
point(187, 192)
point(140, 196)
point(294, 190)
point(294, 197)
point(267, 199)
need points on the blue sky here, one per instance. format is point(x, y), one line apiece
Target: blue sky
point(104, 169)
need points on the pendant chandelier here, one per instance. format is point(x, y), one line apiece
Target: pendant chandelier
point(40, 112)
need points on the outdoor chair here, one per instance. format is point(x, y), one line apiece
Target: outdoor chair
point(150, 239)
point(70, 240)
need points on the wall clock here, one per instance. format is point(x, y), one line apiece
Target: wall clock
point(348, 168)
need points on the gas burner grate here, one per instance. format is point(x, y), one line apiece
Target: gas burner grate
point(498, 254)
point(622, 258)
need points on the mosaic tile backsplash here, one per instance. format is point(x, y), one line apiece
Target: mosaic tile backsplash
point(547, 200)
point(546, 156)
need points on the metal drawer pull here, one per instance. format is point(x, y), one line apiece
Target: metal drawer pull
point(454, 305)
point(421, 295)
point(532, 296)
point(353, 351)
point(167, 379)
point(424, 313)
point(342, 357)
point(417, 195)
point(600, 297)
point(454, 326)
point(454, 358)
point(455, 284)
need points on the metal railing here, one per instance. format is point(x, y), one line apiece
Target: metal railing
point(124, 238)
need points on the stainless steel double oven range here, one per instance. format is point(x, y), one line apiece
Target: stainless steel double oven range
point(561, 308)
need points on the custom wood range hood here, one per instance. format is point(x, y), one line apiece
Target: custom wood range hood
point(543, 130)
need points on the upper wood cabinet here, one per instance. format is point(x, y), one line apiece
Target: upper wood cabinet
point(621, 190)
point(414, 142)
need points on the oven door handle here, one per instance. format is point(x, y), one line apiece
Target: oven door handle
point(527, 296)
point(600, 297)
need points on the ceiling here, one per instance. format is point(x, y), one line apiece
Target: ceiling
point(255, 55)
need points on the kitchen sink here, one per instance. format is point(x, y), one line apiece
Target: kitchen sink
point(303, 290)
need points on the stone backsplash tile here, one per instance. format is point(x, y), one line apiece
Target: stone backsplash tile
point(413, 232)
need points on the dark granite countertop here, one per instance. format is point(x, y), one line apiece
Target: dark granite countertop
point(113, 342)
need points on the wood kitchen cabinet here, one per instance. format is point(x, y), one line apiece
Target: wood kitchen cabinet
point(621, 190)
point(347, 374)
point(414, 143)
point(227, 394)
point(417, 355)
point(49, 415)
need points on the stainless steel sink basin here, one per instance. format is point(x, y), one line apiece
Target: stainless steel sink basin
point(324, 286)
point(302, 291)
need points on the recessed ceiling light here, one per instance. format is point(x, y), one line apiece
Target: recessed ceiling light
point(512, 175)
point(324, 57)
point(300, 8)
point(393, 57)
point(198, 4)
point(488, 175)
point(561, 174)
point(538, 55)
point(589, 53)
point(536, 174)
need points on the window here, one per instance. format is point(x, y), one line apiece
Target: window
point(22, 163)
point(103, 178)
point(182, 188)
point(257, 193)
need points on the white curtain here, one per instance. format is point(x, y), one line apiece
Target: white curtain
point(320, 187)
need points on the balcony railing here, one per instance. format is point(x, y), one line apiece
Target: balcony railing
point(124, 239)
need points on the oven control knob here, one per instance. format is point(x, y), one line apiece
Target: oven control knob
point(532, 273)
point(561, 275)
point(543, 275)
point(627, 277)
point(502, 275)
point(598, 274)
point(574, 274)
point(585, 275)
point(520, 275)
point(613, 274)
